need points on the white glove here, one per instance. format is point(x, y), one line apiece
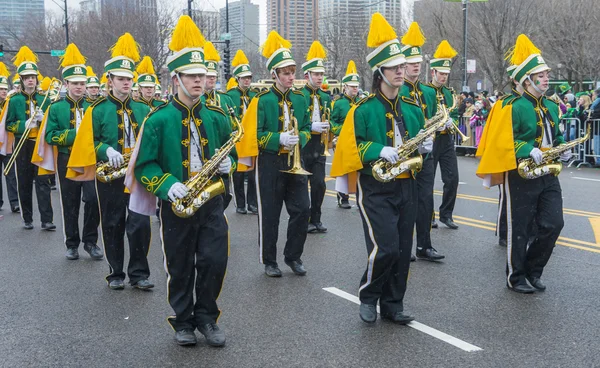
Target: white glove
point(39, 116)
point(225, 166)
point(320, 126)
point(427, 145)
point(566, 156)
point(33, 123)
point(288, 140)
point(114, 157)
point(177, 191)
point(390, 154)
point(536, 154)
point(449, 123)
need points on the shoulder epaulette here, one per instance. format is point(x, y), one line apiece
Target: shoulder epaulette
point(216, 108)
point(155, 109)
point(551, 100)
point(98, 101)
point(298, 92)
point(513, 100)
point(262, 93)
point(410, 101)
point(59, 100)
point(364, 99)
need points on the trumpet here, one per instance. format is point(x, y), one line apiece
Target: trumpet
point(57, 85)
point(455, 129)
point(325, 135)
point(295, 152)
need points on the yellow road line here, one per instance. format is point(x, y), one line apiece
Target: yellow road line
point(595, 222)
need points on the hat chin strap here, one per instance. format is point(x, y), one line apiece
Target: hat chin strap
point(312, 84)
point(535, 87)
point(384, 78)
point(185, 91)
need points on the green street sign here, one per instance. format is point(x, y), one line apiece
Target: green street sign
point(57, 52)
point(1, 54)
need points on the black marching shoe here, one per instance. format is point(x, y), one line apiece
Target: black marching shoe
point(413, 258)
point(368, 313)
point(537, 283)
point(185, 337)
point(72, 254)
point(48, 226)
point(429, 254)
point(502, 242)
point(28, 226)
point(93, 250)
point(213, 334)
point(343, 202)
point(522, 289)
point(449, 223)
point(116, 285)
point(143, 285)
point(398, 317)
point(241, 210)
point(312, 228)
point(296, 267)
point(272, 271)
point(434, 225)
point(15, 209)
point(253, 209)
point(320, 227)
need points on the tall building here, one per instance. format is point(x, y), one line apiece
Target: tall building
point(243, 25)
point(296, 21)
point(90, 6)
point(146, 8)
point(208, 22)
point(18, 15)
point(399, 13)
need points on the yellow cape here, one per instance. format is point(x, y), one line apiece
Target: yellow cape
point(346, 158)
point(82, 163)
point(44, 155)
point(247, 148)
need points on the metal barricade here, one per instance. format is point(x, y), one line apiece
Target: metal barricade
point(591, 148)
point(465, 146)
point(571, 129)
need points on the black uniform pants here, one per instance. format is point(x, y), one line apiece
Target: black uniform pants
point(425, 181)
point(26, 174)
point(115, 220)
point(388, 211)
point(314, 162)
point(444, 153)
point(227, 194)
point(196, 251)
point(71, 193)
point(502, 226)
point(532, 201)
point(240, 191)
point(11, 183)
point(273, 188)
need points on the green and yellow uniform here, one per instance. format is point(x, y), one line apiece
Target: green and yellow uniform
point(341, 107)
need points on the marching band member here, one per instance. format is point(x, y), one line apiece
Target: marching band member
point(92, 86)
point(538, 200)
point(195, 248)
point(16, 85)
point(103, 85)
point(11, 180)
point(340, 107)
point(374, 129)
point(22, 106)
point(443, 147)
point(59, 129)
point(269, 134)
point(107, 133)
point(241, 94)
point(146, 82)
point(319, 108)
point(426, 98)
point(158, 92)
point(135, 88)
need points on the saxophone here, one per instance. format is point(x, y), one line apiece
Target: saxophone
point(202, 187)
point(528, 169)
point(385, 171)
point(106, 173)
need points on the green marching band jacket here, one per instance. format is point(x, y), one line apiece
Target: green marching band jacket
point(108, 116)
point(61, 125)
point(152, 103)
point(449, 97)
point(424, 95)
point(240, 98)
point(528, 123)
point(271, 119)
point(323, 99)
point(19, 112)
point(340, 108)
point(164, 152)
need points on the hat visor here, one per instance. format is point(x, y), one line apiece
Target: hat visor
point(414, 59)
point(92, 85)
point(353, 84)
point(244, 74)
point(121, 73)
point(211, 73)
point(28, 72)
point(443, 70)
point(539, 69)
point(193, 70)
point(76, 79)
point(393, 62)
point(284, 63)
point(147, 84)
point(315, 70)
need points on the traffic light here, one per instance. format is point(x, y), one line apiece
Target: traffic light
point(1, 51)
point(226, 61)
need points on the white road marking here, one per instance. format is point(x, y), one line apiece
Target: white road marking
point(414, 324)
point(587, 179)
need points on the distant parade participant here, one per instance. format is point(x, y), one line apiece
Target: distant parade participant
point(158, 92)
point(11, 180)
point(426, 98)
point(241, 94)
point(16, 85)
point(178, 140)
point(319, 108)
point(374, 129)
point(28, 106)
point(92, 86)
point(444, 152)
point(345, 184)
point(135, 88)
point(103, 85)
point(146, 82)
point(269, 134)
point(107, 134)
point(536, 200)
point(59, 129)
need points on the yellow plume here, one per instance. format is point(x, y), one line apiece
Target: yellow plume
point(90, 71)
point(40, 77)
point(135, 77)
point(24, 54)
point(17, 78)
point(232, 83)
point(351, 69)
point(239, 59)
point(210, 52)
point(414, 36)
point(103, 80)
point(316, 51)
point(186, 34)
point(4, 70)
point(273, 43)
point(524, 48)
point(380, 31)
point(145, 66)
point(444, 51)
point(126, 46)
point(45, 85)
point(72, 56)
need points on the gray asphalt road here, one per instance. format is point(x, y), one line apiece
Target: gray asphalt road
point(59, 313)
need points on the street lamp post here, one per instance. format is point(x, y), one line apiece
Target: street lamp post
point(190, 7)
point(66, 23)
point(465, 4)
